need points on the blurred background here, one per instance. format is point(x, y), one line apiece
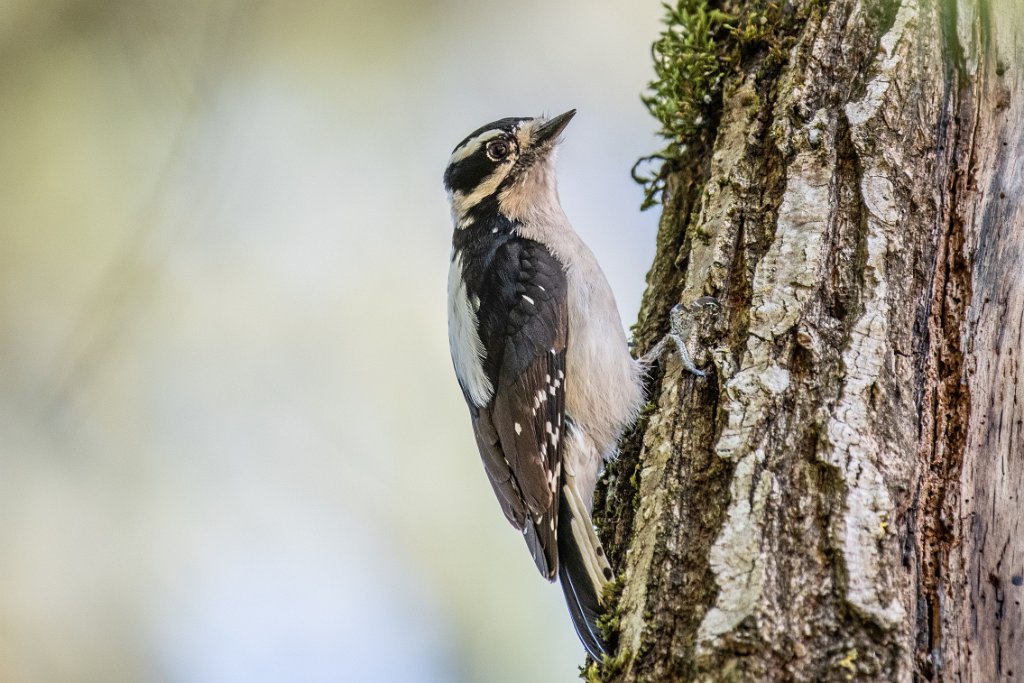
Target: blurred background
point(231, 443)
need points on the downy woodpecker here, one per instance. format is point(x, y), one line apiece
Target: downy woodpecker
point(539, 351)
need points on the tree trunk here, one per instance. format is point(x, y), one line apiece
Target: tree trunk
point(840, 498)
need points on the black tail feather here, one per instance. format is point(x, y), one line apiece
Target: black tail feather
point(582, 595)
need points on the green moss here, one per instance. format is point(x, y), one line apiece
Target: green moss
point(688, 77)
point(609, 626)
point(608, 622)
point(704, 41)
point(607, 669)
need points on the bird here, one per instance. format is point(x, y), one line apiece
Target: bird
point(540, 352)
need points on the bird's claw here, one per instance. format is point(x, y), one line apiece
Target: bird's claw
point(681, 319)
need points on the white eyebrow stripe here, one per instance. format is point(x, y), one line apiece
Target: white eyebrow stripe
point(470, 147)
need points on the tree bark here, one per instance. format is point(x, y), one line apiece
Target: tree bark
point(840, 498)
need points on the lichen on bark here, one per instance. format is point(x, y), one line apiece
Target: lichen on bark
point(794, 516)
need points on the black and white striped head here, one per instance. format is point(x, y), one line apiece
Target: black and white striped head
point(500, 164)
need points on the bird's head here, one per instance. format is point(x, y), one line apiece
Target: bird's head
point(505, 166)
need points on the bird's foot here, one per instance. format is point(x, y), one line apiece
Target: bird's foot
point(681, 321)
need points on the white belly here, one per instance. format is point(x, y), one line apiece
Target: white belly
point(604, 389)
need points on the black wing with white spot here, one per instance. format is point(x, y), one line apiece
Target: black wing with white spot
point(523, 327)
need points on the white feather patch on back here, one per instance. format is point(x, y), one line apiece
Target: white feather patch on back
point(464, 338)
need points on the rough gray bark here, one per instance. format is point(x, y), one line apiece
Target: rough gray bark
point(840, 498)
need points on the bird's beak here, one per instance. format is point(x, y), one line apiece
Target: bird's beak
point(549, 130)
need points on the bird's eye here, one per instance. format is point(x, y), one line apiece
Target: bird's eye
point(497, 150)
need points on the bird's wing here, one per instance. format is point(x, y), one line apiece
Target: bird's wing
point(523, 327)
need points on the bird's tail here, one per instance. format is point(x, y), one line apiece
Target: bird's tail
point(583, 568)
